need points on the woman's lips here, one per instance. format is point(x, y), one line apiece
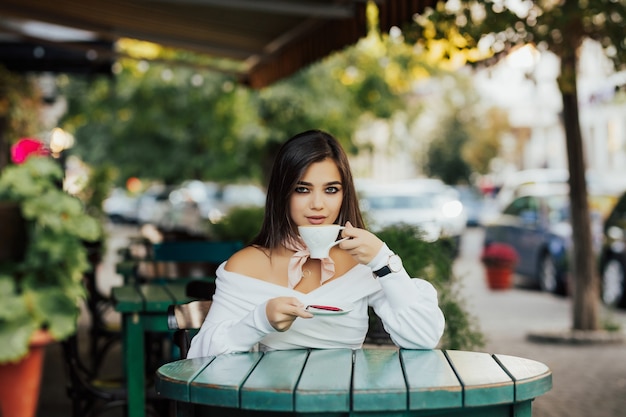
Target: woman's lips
point(316, 220)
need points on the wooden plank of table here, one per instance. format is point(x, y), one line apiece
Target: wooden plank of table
point(219, 384)
point(378, 383)
point(127, 299)
point(325, 382)
point(272, 383)
point(431, 381)
point(175, 377)
point(532, 378)
point(484, 381)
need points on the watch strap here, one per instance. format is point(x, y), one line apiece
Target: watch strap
point(385, 270)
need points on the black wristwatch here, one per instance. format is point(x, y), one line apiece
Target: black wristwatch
point(394, 264)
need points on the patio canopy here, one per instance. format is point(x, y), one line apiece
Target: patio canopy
point(266, 39)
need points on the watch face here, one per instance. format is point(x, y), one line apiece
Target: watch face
point(395, 263)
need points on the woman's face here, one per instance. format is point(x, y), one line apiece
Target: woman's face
point(318, 195)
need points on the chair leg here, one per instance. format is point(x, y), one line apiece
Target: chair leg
point(180, 409)
point(99, 348)
point(102, 408)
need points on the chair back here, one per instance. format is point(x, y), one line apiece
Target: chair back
point(184, 318)
point(191, 258)
point(195, 251)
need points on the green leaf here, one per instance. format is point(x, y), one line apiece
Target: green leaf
point(14, 338)
point(12, 305)
point(58, 310)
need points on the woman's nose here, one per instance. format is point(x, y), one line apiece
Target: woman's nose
point(317, 200)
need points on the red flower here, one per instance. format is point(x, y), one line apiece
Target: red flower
point(499, 254)
point(26, 147)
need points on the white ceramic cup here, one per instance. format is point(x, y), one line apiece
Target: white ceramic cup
point(319, 239)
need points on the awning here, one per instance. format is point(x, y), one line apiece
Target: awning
point(268, 39)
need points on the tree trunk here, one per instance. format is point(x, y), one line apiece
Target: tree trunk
point(582, 266)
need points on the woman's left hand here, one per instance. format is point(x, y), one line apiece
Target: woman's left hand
point(362, 245)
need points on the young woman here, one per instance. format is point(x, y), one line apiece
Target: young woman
point(264, 289)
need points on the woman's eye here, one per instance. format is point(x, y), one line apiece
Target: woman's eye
point(301, 190)
point(332, 190)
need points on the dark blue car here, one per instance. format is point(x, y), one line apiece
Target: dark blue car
point(613, 257)
point(537, 225)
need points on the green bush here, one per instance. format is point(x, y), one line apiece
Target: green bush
point(241, 223)
point(433, 262)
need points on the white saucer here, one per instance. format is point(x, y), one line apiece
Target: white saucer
point(343, 309)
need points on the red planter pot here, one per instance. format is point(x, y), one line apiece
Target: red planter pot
point(20, 381)
point(499, 278)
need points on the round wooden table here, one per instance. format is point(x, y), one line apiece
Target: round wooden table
point(359, 382)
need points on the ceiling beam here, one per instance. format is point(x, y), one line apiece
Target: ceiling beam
point(340, 10)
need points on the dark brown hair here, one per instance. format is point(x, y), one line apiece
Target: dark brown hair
point(292, 160)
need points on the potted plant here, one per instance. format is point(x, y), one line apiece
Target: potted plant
point(41, 286)
point(499, 260)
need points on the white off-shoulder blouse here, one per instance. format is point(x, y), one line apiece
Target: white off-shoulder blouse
point(237, 321)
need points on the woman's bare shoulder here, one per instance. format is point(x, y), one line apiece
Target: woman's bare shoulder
point(247, 261)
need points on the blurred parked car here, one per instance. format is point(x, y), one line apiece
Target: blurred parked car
point(537, 224)
point(120, 206)
point(453, 216)
point(240, 195)
point(478, 208)
point(431, 206)
point(515, 183)
point(613, 256)
point(153, 204)
point(190, 206)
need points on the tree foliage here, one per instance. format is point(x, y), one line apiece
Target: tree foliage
point(467, 135)
point(156, 120)
point(479, 29)
point(484, 144)
point(163, 124)
point(441, 162)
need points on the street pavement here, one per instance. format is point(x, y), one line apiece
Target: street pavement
point(589, 380)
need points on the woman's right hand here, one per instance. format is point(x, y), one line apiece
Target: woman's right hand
point(282, 311)
point(362, 244)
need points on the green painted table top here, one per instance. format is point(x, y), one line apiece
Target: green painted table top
point(364, 381)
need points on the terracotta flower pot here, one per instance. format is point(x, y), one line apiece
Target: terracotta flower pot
point(20, 381)
point(499, 278)
point(499, 260)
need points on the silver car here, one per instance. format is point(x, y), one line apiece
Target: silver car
point(428, 204)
